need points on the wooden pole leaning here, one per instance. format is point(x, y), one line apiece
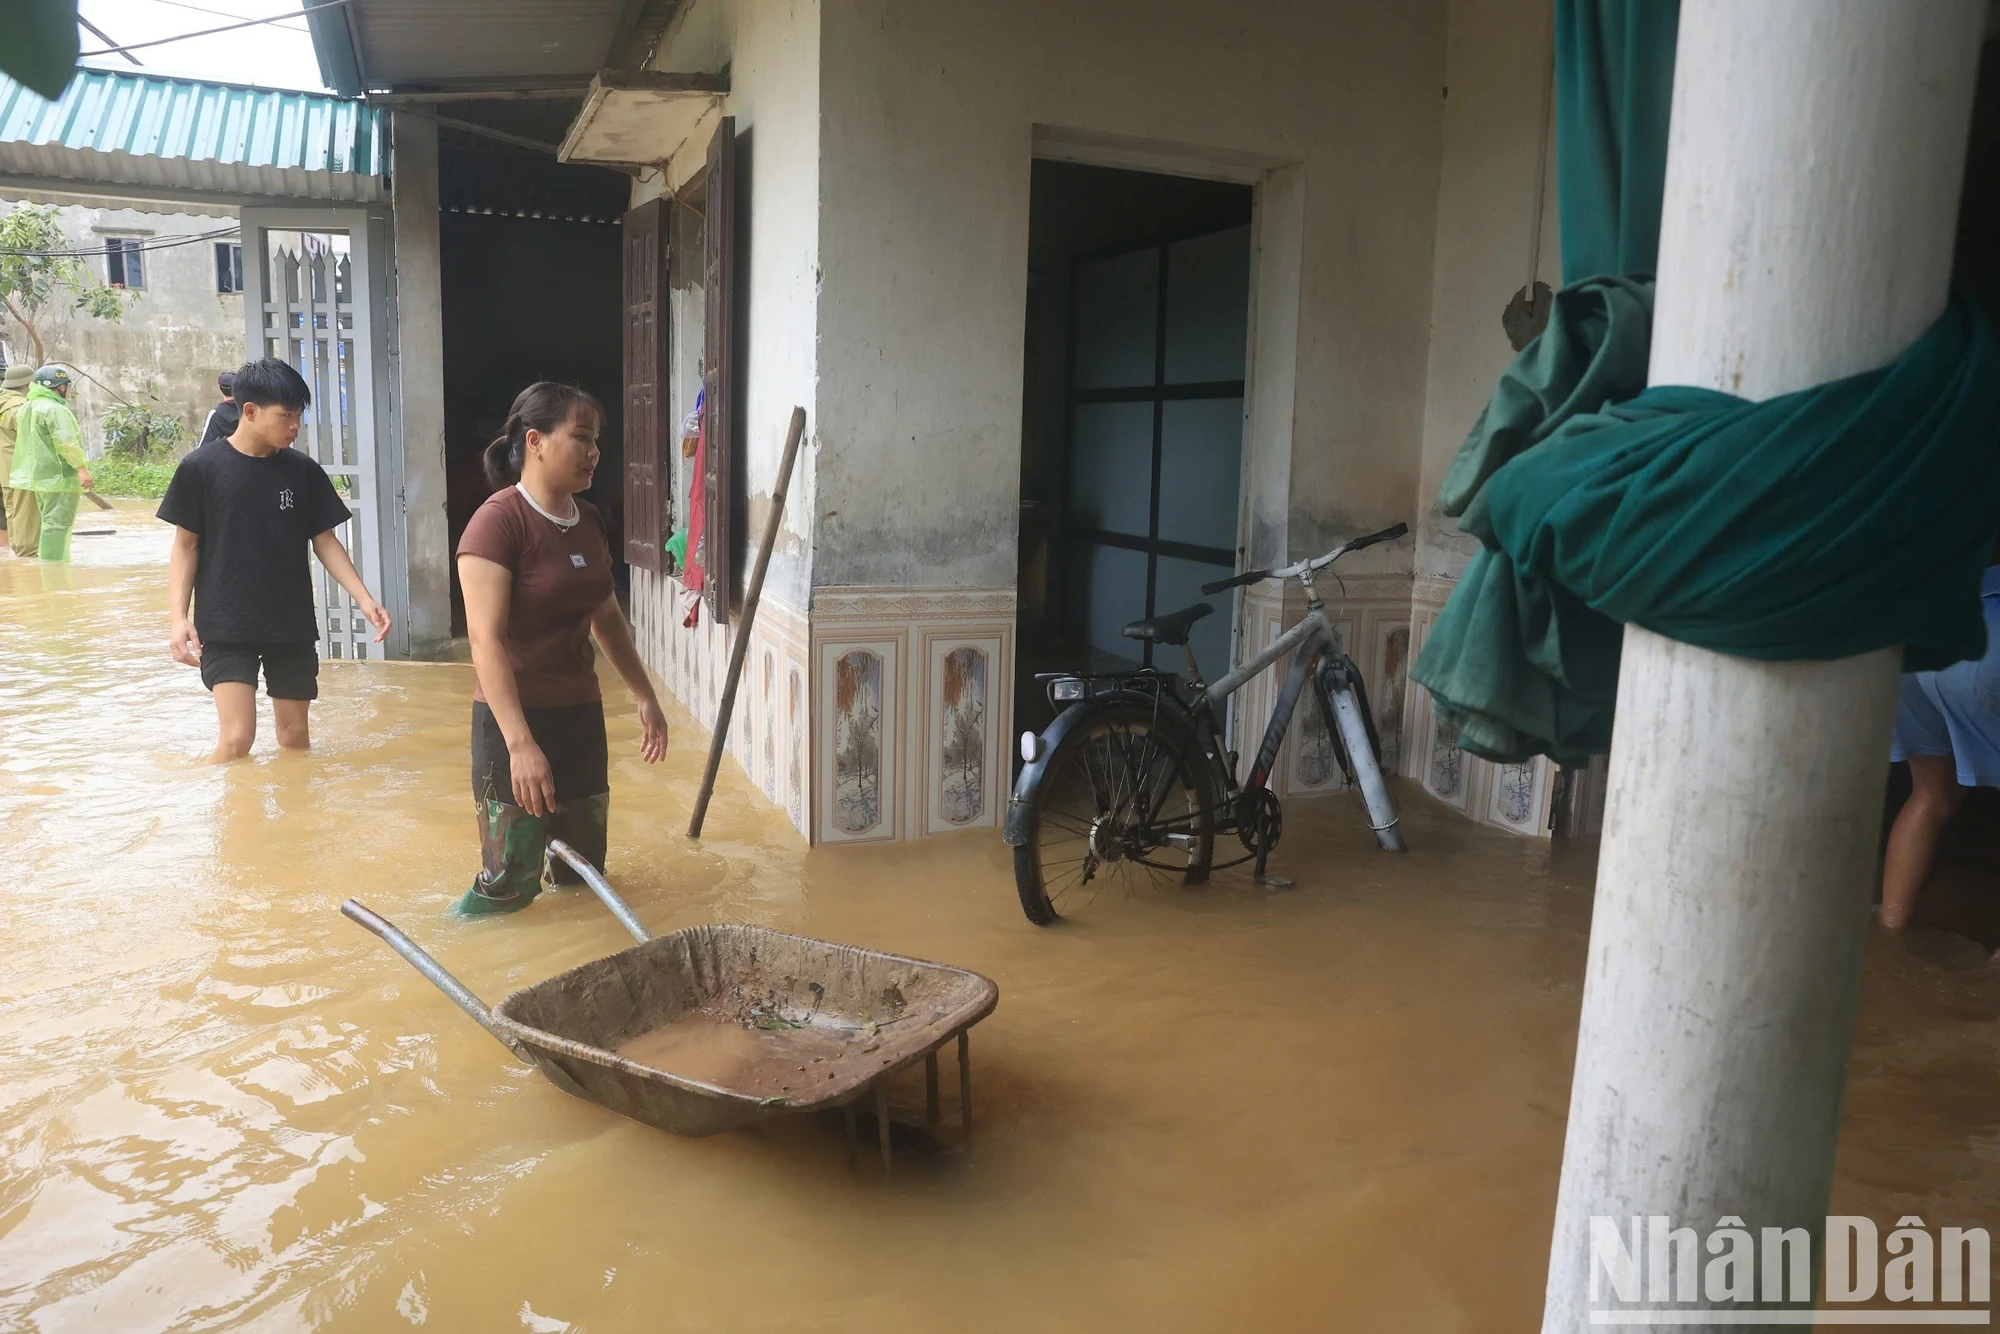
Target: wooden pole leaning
point(739, 647)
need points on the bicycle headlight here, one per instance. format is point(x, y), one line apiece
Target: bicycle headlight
point(1068, 689)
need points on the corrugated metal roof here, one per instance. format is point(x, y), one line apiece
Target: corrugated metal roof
point(145, 131)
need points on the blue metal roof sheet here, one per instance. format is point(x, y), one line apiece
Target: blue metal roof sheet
point(191, 134)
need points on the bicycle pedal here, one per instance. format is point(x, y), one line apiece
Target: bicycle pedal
point(1185, 842)
point(1273, 881)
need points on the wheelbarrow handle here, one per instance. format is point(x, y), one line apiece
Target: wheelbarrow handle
point(600, 887)
point(413, 954)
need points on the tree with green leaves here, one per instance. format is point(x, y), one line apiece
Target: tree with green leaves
point(39, 268)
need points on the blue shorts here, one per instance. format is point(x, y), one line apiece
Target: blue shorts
point(1956, 712)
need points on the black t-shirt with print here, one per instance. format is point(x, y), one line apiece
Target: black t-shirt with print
point(255, 519)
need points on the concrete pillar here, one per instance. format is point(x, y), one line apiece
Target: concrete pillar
point(420, 384)
point(1813, 175)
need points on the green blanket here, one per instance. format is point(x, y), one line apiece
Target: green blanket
point(1821, 524)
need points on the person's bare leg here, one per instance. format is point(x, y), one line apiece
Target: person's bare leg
point(293, 733)
point(1913, 843)
point(236, 720)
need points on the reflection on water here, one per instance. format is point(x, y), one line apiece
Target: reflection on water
point(227, 1108)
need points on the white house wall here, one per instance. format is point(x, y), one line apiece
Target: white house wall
point(1496, 57)
point(771, 50)
point(890, 143)
point(930, 118)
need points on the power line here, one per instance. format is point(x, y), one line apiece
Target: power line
point(219, 13)
point(143, 246)
point(205, 32)
point(103, 36)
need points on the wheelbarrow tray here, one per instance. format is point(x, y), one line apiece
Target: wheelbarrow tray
point(768, 1023)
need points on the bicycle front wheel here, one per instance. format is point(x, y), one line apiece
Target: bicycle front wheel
point(1121, 807)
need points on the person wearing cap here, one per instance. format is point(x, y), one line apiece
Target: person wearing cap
point(24, 517)
point(49, 459)
point(224, 416)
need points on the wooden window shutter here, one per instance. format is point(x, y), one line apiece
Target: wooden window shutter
point(719, 373)
point(646, 400)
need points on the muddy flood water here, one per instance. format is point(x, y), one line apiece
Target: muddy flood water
point(1338, 1106)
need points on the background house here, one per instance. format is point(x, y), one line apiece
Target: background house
point(185, 328)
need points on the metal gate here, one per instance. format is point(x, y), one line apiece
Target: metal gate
point(315, 288)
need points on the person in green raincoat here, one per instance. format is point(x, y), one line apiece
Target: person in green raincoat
point(48, 458)
point(24, 521)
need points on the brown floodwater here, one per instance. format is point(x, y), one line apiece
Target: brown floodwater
point(717, 1050)
point(226, 1107)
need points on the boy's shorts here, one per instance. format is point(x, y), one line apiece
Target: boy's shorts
point(291, 671)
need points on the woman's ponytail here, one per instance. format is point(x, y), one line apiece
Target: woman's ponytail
point(504, 457)
point(543, 406)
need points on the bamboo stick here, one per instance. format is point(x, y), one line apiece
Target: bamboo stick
point(740, 647)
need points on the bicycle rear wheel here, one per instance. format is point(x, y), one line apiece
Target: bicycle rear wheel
point(1120, 807)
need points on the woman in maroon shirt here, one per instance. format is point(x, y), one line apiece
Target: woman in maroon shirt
point(535, 565)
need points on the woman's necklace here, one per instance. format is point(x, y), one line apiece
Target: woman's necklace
point(575, 514)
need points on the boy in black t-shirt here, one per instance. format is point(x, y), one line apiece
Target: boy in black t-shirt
point(245, 508)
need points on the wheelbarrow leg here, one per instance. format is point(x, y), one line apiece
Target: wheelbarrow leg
point(930, 1088)
point(882, 1122)
point(965, 1079)
point(847, 1118)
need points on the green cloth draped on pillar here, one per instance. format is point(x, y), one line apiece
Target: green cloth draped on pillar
point(1817, 525)
point(1614, 90)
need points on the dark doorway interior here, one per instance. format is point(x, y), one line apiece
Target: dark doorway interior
point(1132, 409)
point(531, 290)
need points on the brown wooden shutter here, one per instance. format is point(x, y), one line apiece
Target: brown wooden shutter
point(719, 373)
point(646, 426)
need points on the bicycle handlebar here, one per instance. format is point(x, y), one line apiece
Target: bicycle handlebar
point(1389, 534)
point(1237, 581)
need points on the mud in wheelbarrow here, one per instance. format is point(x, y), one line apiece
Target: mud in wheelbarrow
point(712, 1028)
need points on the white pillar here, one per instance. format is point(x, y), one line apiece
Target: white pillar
point(420, 385)
point(1813, 175)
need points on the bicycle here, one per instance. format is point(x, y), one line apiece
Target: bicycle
point(1134, 779)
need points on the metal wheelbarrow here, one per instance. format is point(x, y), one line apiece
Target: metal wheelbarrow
point(712, 1028)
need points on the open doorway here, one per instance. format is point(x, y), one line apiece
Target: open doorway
point(531, 289)
point(1132, 415)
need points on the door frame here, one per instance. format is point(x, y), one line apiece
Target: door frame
point(1270, 359)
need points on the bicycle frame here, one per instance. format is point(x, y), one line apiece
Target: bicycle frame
point(1312, 639)
point(1316, 656)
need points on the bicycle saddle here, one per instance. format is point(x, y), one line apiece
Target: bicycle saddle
point(1171, 628)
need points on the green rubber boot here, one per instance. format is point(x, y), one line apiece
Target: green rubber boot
point(512, 844)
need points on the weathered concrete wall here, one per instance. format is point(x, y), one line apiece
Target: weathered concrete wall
point(772, 51)
point(419, 370)
point(1497, 68)
point(1496, 57)
point(930, 113)
point(172, 342)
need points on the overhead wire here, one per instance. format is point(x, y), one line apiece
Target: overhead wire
point(106, 37)
point(219, 13)
point(164, 243)
point(205, 32)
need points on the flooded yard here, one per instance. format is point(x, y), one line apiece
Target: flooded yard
point(225, 1107)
